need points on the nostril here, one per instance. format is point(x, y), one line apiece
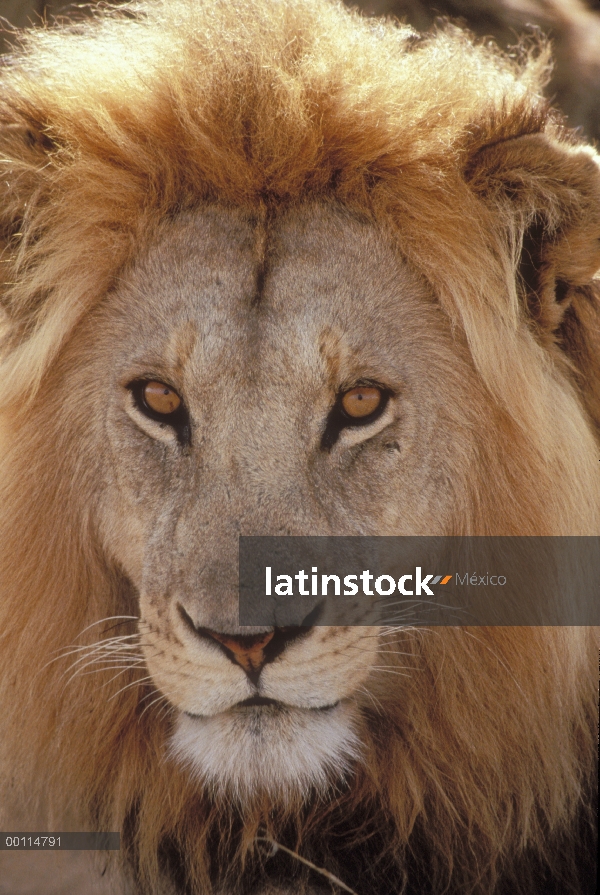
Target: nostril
point(314, 616)
point(187, 620)
point(282, 637)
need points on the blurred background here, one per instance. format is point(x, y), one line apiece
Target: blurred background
point(573, 25)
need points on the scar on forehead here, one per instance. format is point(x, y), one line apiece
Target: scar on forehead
point(180, 346)
point(261, 222)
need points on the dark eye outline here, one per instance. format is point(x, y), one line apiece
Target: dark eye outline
point(178, 419)
point(339, 419)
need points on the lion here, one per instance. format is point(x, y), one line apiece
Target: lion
point(223, 227)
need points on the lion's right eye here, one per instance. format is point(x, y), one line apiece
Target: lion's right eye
point(161, 403)
point(161, 398)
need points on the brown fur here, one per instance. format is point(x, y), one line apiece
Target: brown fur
point(572, 25)
point(476, 777)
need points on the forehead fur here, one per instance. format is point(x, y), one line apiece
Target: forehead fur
point(207, 100)
point(109, 126)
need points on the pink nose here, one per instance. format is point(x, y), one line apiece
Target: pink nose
point(249, 652)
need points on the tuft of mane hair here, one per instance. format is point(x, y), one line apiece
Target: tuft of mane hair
point(572, 25)
point(108, 128)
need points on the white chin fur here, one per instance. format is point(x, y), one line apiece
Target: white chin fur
point(281, 752)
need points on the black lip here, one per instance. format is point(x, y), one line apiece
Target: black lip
point(258, 701)
point(263, 700)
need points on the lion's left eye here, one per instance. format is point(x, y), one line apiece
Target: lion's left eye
point(355, 407)
point(362, 401)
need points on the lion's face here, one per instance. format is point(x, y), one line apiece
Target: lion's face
point(259, 328)
point(220, 225)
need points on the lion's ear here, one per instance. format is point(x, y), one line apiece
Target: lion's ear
point(546, 195)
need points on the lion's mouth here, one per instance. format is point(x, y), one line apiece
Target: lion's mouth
point(257, 701)
point(265, 702)
point(253, 701)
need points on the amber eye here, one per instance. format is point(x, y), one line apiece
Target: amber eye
point(161, 398)
point(160, 402)
point(359, 406)
point(362, 401)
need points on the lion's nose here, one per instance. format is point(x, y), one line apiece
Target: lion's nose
point(249, 652)
point(252, 652)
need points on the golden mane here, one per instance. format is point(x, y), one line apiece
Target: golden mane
point(109, 127)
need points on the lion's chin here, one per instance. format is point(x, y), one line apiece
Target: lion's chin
point(275, 750)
